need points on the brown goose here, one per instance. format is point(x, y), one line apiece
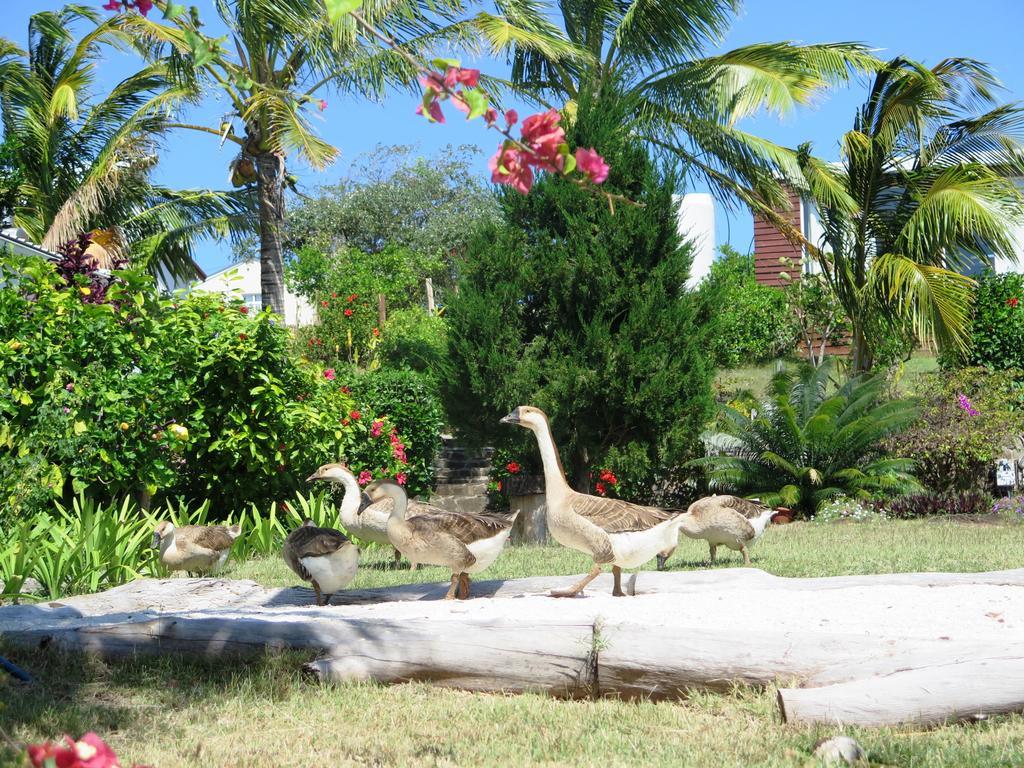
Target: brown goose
point(322, 556)
point(194, 548)
point(465, 543)
point(730, 521)
point(611, 531)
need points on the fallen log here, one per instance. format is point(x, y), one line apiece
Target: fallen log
point(841, 639)
point(928, 695)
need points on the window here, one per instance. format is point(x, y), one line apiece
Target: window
point(254, 301)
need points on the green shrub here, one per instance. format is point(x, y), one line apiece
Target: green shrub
point(997, 331)
point(750, 322)
point(411, 399)
point(412, 338)
point(812, 441)
point(142, 394)
point(967, 417)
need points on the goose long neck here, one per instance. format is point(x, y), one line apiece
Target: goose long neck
point(350, 501)
point(401, 503)
point(554, 475)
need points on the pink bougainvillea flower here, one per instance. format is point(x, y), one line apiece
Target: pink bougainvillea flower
point(511, 118)
point(513, 467)
point(458, 76)
point(460, 103)
point(70, 387)
point(88, 752)
point(542, 134)
point(321, 104)
point(144, 6)
point(400, 478)
point(329, 374)
point(113, 5)
point(364, 477)
point(376, 428)
point(490, 116)
point(591, 164)
point(433, 81)
point(508, 166)
point(434, 109)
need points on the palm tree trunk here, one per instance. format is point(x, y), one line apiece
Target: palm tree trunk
point(863, 357)
point(270, 188)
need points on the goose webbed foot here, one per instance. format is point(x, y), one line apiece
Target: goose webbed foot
point(453, 588)
point(578, 587)
point(617, 588)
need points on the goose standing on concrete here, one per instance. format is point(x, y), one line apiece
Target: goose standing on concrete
point(611, 531)
point(365, 522)
point(464, 543)
point(729, 521)
point(194, 548)
point(322, 556)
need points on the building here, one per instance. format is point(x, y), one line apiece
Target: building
point(696, 222)
point(242, 281)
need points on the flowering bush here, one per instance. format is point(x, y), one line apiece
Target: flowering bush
point(997, 332)
point(962, 503)
point(1010, 506)
point(843, 508)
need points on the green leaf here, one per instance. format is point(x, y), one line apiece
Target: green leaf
point(443, 64)
point(477, 101)
point(338, 9)
point(80, 427)
point(569, 165)
point(173, 11)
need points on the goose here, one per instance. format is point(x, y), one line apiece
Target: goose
point(611, 531)
point(365, 522)
point(194, 548)
point(730, 521)
point(322, 556)
point(465, 543)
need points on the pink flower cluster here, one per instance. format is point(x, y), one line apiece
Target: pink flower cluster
point(542, 147)
point(437, 87)
point(398, 447)
point(88, 752)
point(364, 477)
point(965, 405)
point(376, 428)
point(142, 6)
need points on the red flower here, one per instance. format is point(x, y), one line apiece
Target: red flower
point(364, 477)
point(329, 374)
point(352, 297)
point(592, 165)
point(376, 331)
point(376, 427)
point(348, 313)
point(601, 488)
point(355, 415)
point(490, 116)
point(511, 118)
point(400, 478)
point(88, 752)
point(608, 476)
point(513, 467)
point(346, 390)
point(346, 421)
point(242, 336)
point(325, 303)
point(244, 310)
point(1013, 301)
point(334, 295)
point(499, 485)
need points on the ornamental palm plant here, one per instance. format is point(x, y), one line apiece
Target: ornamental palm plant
point(283, 54)
point(688, 104)
point(85, 161)
point(923, 189)
point(811, 441)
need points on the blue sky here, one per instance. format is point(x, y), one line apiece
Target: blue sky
point(928, 30)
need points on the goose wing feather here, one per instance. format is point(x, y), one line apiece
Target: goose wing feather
point(213, 537)
point(465, 528)
point(746, 507)
point(310, 541)
point(616, 515)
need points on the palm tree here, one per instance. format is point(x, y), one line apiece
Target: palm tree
point(84, 162)
point(286, 52)
point(688, 105)
point(811, 441)
point(922, 190)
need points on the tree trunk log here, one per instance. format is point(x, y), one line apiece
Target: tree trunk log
point(270, 194)
point(915, 647)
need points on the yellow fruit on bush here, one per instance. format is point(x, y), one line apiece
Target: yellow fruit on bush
point(178, 431)
point(124, 426)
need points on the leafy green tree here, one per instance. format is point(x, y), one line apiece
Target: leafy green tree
point(997, 326)
point(810, 442)
point(924, 189)
point(751, 322)
point(284, 55)
point(584, 313)
point(81, 161)
point(684, 102)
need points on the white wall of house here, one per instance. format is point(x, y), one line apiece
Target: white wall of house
point(696, 222)
point(242, 281)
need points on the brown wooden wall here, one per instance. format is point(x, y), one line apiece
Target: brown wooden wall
point(770, 245)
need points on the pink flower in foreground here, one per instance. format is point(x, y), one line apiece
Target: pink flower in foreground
point(321, 104)
point(364, 477)
point(508, 166)
point(545, 137)
point(113, 5)
point(329, 374)
point(490, 116)
point(591, 164)
point(456, 76)
point(88, 752)
point(376, 427)
point(511, 118)
point(434, 109)
point(400, 478)
point(144, 6)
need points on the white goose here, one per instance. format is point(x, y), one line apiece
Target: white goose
point(611, 531)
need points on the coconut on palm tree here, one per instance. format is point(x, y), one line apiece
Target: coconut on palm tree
point(85, 160)
point(811, 441)
point(923, 190)
point(280, 56)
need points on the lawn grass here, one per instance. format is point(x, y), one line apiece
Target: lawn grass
point(171, 711)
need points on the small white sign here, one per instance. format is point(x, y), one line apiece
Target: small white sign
point(1006, 477)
